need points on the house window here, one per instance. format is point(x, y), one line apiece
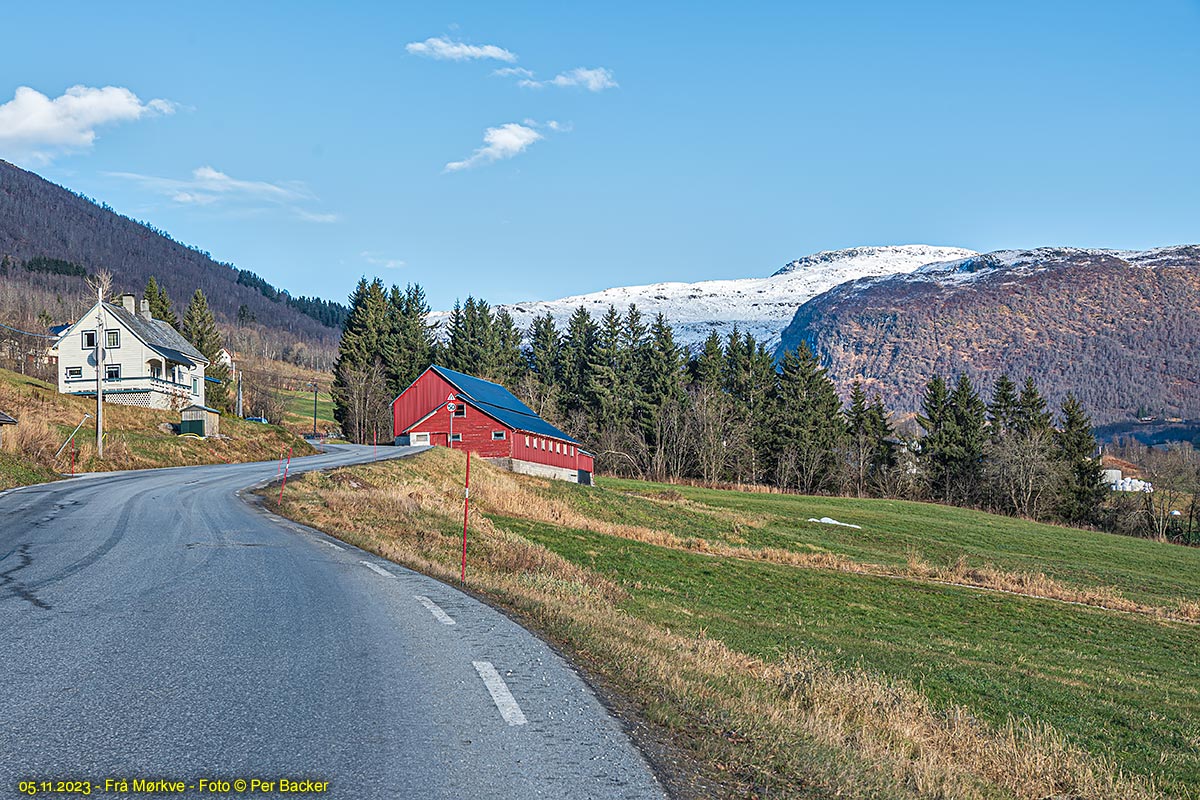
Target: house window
point(497, 435)
point(112, 338)
point(460, 409)
point(195, 386)
point(456, 437)
point(89, 340)
point(112, 372)
point(74, 373)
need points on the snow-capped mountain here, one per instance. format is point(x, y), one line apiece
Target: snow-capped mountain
point(761, 306)
point(1119, 329)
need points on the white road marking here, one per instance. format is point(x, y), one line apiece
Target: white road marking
point(331, 544)
point(501, 696)
point(374, 568)
point(438, 614)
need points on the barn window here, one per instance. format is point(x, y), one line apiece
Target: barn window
point(572, 451)
point(456, 437)
point(497, 435)
point(89, 340)
point(460, 409)
point(527, 441)
point(74, 372)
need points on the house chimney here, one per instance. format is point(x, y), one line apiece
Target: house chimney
point(146, 310)
point(129, 301)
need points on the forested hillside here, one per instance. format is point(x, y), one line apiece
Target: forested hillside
point(50, 238)
point(1120, 330)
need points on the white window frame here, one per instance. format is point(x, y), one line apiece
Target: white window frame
point(526, 441)
point(456, 437)
point(460, 410)
point(196, 386)
point(83, 340)
point(499, 436)
point(110, 368)
point(421, 437)
point(74, 373)
point(110, 335)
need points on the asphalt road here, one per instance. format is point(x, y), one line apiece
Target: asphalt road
point(154, 625)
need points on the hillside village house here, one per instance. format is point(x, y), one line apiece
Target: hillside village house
point(487, 420)
point(147, 363)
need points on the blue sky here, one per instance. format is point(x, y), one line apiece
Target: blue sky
point(309, 143)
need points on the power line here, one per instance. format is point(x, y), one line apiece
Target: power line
point(27, 333)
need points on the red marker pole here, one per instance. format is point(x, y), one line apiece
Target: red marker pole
point(466, 507)
point(285, 474)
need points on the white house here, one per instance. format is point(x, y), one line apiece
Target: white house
point(147, 363)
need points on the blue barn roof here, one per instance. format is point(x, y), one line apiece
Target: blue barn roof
point(494, 399)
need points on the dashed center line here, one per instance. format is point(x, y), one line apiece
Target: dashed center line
point(438, 614)
point(501, 696)
point(375, 568)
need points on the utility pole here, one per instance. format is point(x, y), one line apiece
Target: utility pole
point(238, 375)
point(100, 289)
point(314, 388)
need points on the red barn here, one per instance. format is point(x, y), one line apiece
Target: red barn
point(489, 421)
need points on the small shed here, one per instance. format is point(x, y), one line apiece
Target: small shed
point(200, 420)
point(5, 419)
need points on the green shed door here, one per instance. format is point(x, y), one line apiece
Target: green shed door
point(195, 426)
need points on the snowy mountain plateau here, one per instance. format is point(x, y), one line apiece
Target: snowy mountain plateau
point(760, 306)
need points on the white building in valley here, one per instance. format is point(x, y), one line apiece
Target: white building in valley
point(147, 363)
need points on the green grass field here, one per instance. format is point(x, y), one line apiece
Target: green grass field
point(1125, 687)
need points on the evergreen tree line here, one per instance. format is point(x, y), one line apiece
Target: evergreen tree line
point(730, 414)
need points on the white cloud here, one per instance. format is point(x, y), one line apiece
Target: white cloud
point(443, 49)
point(208, 186)
point(39, 128)
point(377, 260)
point(594, 80)
point(512, 72)
point(500, 143)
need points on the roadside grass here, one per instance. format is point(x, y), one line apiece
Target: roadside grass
point(136, 438)
point(808, 679)
point(17, 471)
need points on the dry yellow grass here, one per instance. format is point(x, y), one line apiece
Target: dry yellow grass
point(137, 438)
point(795, 727)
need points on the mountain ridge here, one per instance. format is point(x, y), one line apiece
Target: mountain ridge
point(761, 306)
point(1119, 329)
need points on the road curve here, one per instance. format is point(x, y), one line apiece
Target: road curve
point(154, 625)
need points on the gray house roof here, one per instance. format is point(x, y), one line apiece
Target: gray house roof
point(157, 335)
point(5, 419)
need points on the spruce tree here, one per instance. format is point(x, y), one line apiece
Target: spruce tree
point(937, 453)
point(508, 362)
point(1075, 446)
point(160, 303)
point(607, 401)
point(1002, 411)
point(709, 367)
point(407, 345)
point(544, 345)
point(1032, 413)
point(360, 393)
point(970, 442)
point(577, 346)
point(200, 329)
point(809, 425)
